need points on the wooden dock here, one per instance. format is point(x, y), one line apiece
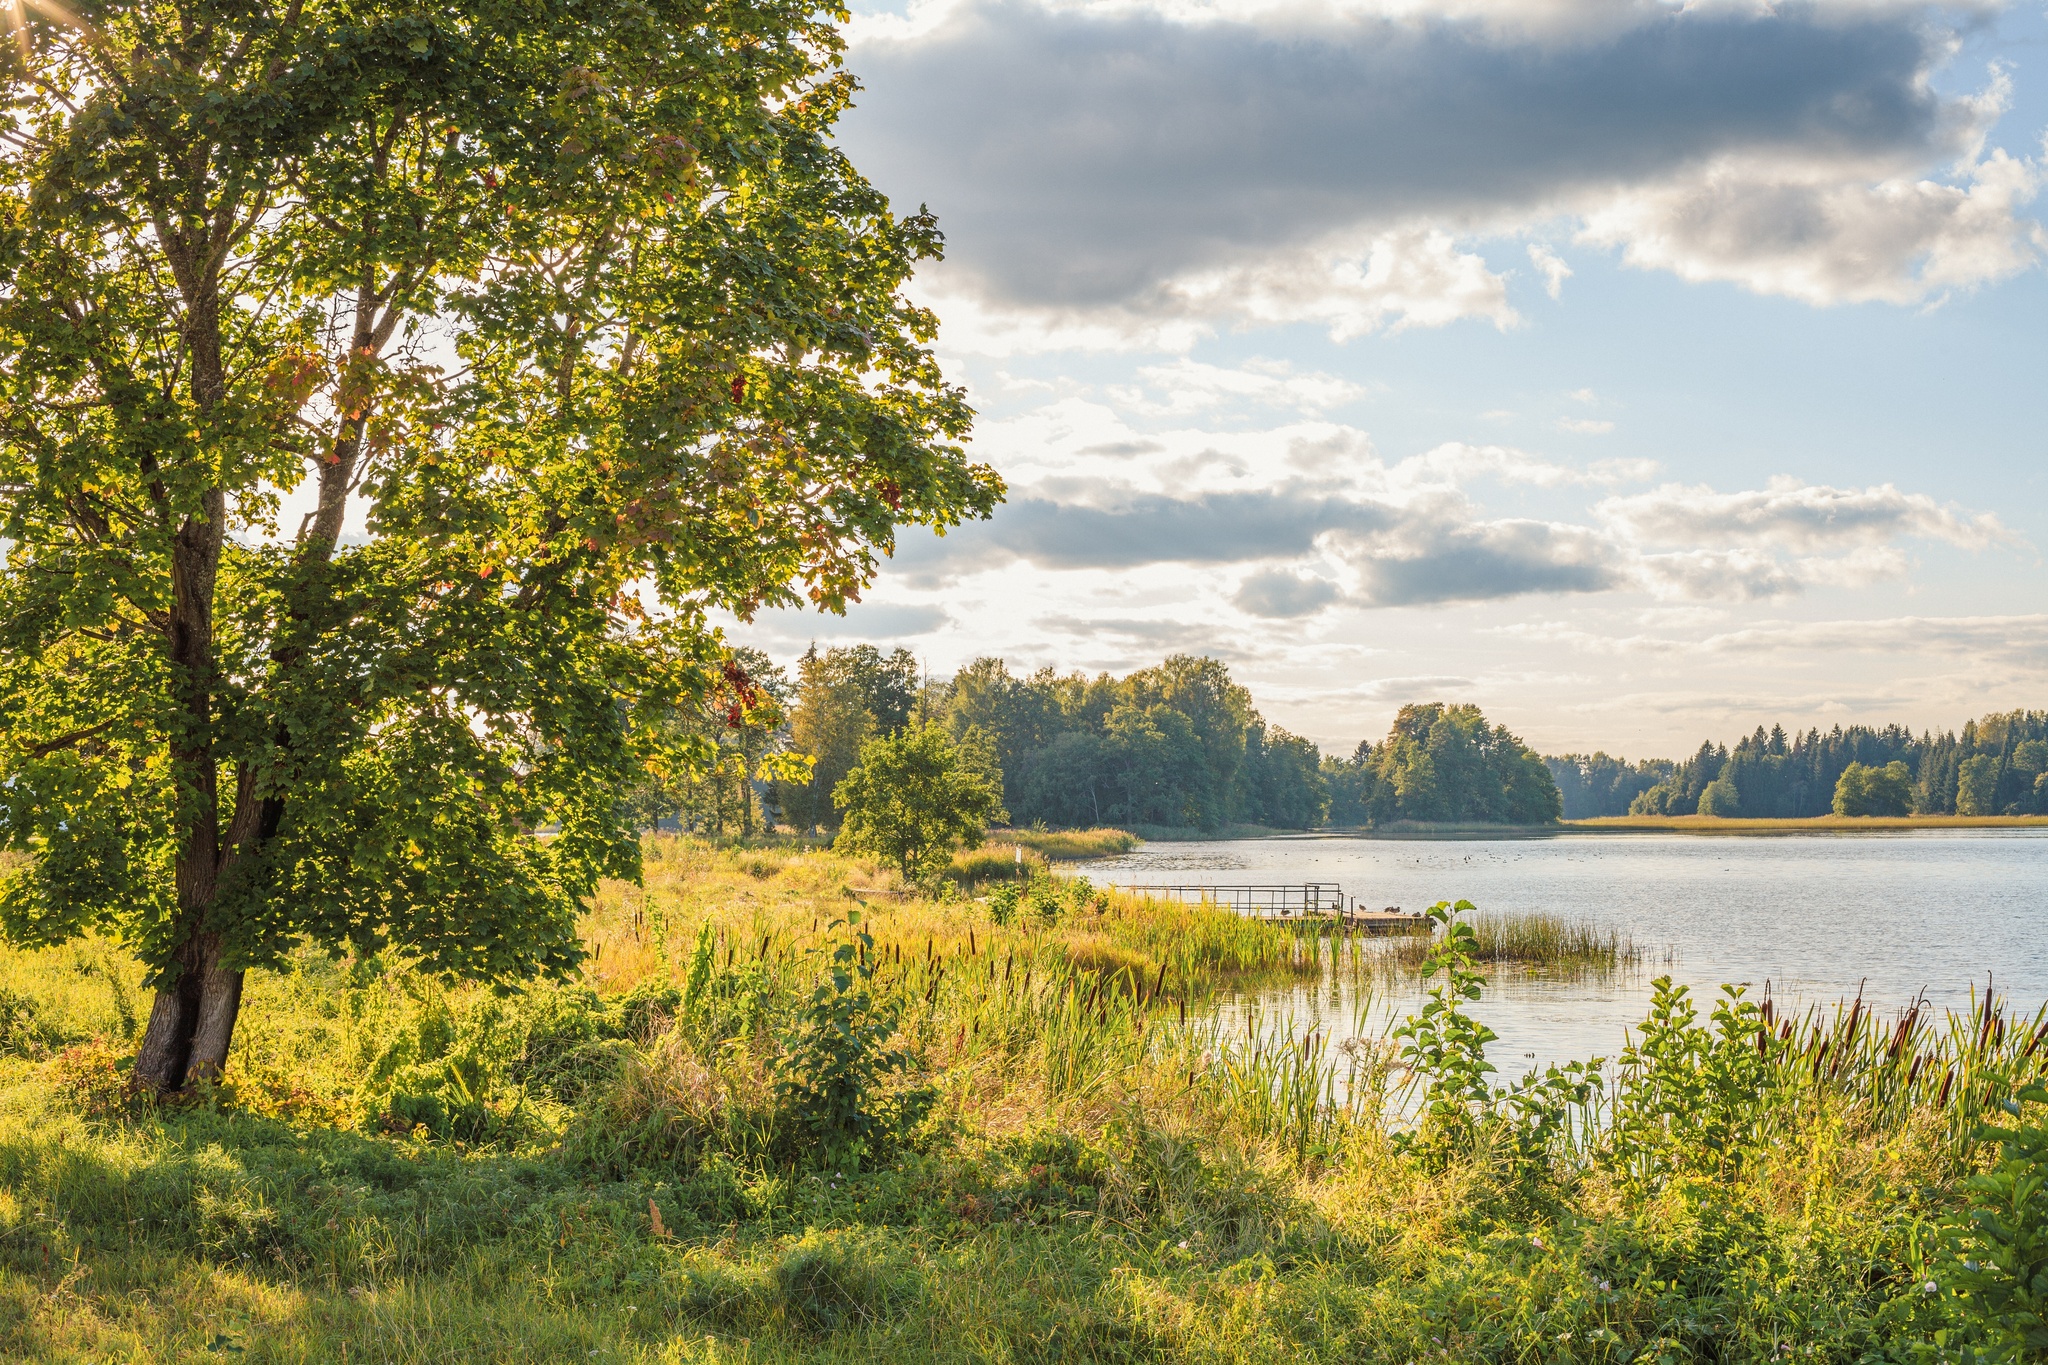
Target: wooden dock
point(1293, 901)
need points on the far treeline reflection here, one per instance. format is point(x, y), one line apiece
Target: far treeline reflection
point(1181, 746)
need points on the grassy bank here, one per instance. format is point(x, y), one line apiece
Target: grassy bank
point(1062, 1159)
point(1709, 824)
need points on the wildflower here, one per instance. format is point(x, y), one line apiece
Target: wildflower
point(1606, 1286)
point(1183, 1245)
point(1930, 1288)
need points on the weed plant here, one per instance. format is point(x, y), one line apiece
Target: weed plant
point(766, 1125)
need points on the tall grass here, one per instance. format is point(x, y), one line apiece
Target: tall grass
point(1535, 938)
point(1066, 845)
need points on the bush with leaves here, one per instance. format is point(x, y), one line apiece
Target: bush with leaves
point(1992, 1266)
point(1446, 1048)
point(1520, 1128)
point(1691, 1099)
point(835, 1066)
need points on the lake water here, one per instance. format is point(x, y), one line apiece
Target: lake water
point(1818, 916)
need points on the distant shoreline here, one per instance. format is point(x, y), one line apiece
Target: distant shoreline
point(1827, 824)
point(1613, 824)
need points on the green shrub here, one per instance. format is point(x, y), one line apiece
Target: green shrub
point(835, 1063)
point(1689, 1099)
point(1992, 1268)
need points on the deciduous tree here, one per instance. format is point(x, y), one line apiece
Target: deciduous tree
point(915, 797)
point(556, 324)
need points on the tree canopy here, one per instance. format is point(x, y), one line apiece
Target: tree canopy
point(562, 324)
point(914, 797)
point(1863, 790)
point(1179, 744)
point(1443, 763)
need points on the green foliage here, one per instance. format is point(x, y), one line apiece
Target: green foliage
point(844, 697)
point(1997, 765)
point(833, 1070)
point(913, 799)
point(1447, 1047)
point(1692, 1100)
point(1864, 790)
point(709, 755)
point(1992, 1264)
point(1177, 745)
point(1592, 785)
point(1445, 764)
point(1042, 898)
point(1523, 1130)
point(1721, 798)
point(1977, 786)
point(1112, 1179)
point(682, 368)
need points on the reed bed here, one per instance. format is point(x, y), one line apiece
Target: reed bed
point(1068, 845)
point(1538, 939)
point(1955, 1066)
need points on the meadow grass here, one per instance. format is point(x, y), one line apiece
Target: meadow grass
point(1080, 1159)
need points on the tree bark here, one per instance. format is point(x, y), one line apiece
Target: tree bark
point(167, 1042)
point(220, 1003)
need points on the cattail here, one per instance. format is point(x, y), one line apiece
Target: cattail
point(1161, 982)
point(1947, 1075)
point(2035, 1041)
point(971, 950)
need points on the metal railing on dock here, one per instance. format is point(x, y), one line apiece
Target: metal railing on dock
point(1266, 902)
point(1303, 900)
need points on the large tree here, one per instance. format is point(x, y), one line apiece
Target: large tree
point(387, 393)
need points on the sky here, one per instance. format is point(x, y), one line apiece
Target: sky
point(1641, 373)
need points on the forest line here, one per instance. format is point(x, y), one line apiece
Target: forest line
point(1182, 745)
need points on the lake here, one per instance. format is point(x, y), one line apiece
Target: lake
point(1818, 916)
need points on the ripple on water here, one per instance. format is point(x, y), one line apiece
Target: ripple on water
point(1818, 916)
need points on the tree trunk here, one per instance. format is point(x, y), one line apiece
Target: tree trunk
point(166, 1050)
point(220, 1002)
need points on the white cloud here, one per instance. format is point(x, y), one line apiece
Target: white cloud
point(1139, 175)
point(1809, 233)
point(2019, 639)
point(1455, 464)
point(1553, 269)
point(1186, 386)
point(1280, 595)
point(1796, 516)
point(1584, 426)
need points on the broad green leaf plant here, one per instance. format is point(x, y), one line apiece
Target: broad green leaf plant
point(387, 395)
